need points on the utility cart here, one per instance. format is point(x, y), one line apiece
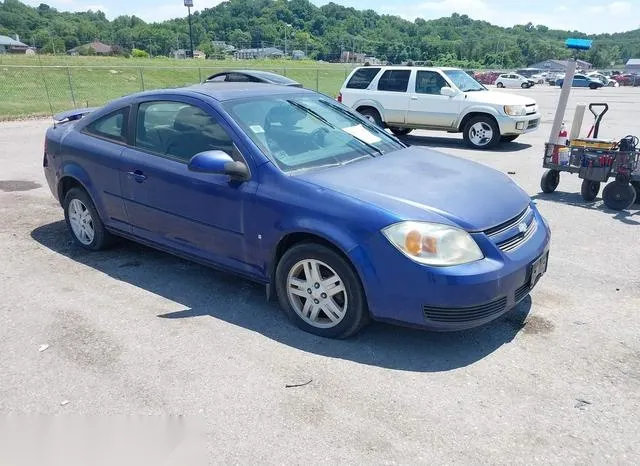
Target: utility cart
point(596, 161)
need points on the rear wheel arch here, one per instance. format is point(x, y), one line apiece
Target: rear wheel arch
point(362, 109)
point(66, 183)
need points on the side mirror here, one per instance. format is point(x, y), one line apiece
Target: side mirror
point(220, 163)
point(448, 92)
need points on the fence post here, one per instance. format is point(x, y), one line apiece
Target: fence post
point(284, 71)
point(199, 74)
point(141, 79)
point(317, 80)
point(73, 97)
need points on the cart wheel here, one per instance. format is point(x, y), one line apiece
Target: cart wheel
point(618, 195)
point(590, 190)
point(636, 185)
point(549, 181)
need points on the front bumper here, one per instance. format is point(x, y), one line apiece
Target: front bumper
point(449, 298)
point(519, 125)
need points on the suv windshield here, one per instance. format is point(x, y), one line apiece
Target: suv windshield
point(463, 81)
point(302, 132)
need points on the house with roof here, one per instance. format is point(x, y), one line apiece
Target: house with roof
point(98, 47)
point(254, 54)
point(632, 66)
point(560, 65)
point(9, 45)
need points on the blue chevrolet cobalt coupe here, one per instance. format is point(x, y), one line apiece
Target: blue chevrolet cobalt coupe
point(285, 186)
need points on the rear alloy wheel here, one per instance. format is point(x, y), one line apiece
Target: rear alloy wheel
point(320, 291)
point(399, 131)
point(481, 132)
point(84, 222)
point(618, 195)
point(499, 85)
point(549, 181)
point(510, 138)
point(372, 115)
point(590, 190)
point(525, 86)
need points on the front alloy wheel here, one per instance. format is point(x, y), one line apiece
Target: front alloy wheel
point(84, 222)
point(320, 291)
point(481, 133)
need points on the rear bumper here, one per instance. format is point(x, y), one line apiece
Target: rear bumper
point(519, 125)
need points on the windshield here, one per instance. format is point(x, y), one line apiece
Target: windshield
point(463, 81)
point(303, 132)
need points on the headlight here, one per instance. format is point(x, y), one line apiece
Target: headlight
point(433, 243)
point(515, 110)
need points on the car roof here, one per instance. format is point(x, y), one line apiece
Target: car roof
point(259, 74)
point(408, 67)
point(225, 91)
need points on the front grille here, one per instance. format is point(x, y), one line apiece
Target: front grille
point(509, 223)
point(465, 314)
point(518, 240)
point(522, 292)
point(532, 124)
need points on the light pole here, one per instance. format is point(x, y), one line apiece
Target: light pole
point(285, 37)
point(189, 4)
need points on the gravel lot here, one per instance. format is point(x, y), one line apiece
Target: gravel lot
point(135, 331)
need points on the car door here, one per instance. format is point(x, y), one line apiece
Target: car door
point(197, 213)
point(392, 95)
point(427, 107)
point(580, 81)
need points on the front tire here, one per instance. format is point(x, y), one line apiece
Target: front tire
point(549, 181)
point(481, 132)
point(590, 190)
point(83, 221)
point(499, 85)
point(372, 115)
point(525, 86)
point(320, 291)
point(618, 195)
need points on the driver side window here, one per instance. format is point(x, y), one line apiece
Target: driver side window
point(429, 82)
point(179, 131)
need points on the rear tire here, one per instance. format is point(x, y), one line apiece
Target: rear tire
point(499, 85)
point(618, 195)
point(399, 131)
point(372, 115)
point(590, 190)
point(593, 86)
point(510, 138)
point(83, 221)
point(636, 186)
point(525, 86)
point(307, 278)
point(549, 181)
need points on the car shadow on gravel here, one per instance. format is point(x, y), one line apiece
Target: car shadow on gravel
point(436, 142)
point(630, 216)
point(207, 292)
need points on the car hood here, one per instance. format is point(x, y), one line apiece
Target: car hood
point(420, 184)
point(498, 98)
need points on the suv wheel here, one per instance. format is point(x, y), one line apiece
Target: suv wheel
point(399, 131)
point(320, 291)
point(372, 115)
point(84, 222)
point(481, 132)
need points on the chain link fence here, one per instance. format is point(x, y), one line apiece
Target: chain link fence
point(27, 91)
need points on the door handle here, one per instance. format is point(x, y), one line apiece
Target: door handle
point(413, 97)
point(137, 175)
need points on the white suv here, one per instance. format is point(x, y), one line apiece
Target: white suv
point(404, 98)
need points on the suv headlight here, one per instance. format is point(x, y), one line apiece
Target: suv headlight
point(515, 110)
point(433, 243)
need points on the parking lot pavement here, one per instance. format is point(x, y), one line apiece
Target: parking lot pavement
point(135, 331)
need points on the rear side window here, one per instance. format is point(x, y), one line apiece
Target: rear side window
point(362, 78)
point(112, 127)
point(394, 81)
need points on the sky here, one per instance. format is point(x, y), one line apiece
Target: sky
point(590, 16)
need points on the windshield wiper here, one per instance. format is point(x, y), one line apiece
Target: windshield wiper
point(329, 165)
point(331, 125)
